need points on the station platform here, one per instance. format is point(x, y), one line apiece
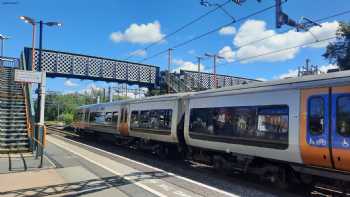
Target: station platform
point(74, 169)
point(18, 162)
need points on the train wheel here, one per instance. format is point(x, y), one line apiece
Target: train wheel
point(276, 175)
point(162, 152)
point(217, 163)
point(279, 179)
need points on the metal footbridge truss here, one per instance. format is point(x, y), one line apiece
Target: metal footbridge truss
point(70, 65)
point(202, 81)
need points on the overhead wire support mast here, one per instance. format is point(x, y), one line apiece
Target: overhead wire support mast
point(215, 57)
point(169, 67)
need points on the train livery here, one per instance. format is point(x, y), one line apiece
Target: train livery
point(297, 128)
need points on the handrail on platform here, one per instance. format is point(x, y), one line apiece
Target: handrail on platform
point(37, 145)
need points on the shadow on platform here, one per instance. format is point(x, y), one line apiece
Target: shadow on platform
point(91, 186)
point(19, 162)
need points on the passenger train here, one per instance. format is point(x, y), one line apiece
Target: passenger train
point(297, 128)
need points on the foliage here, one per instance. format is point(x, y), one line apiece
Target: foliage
point(339, 51)
point(63, 107)
point(68, 118)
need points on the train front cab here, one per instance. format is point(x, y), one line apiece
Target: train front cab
point(325, 127)
point(123, 121)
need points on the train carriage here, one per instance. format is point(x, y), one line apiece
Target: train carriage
point(98, 118)
point(298, 126)
point(304, 122)
point(155, 118)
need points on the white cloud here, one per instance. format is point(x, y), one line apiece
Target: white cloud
point(228, 30)
point(89, 89)
point(291, 73)
point(325, 68)
point(187, 65)
point(261, 79)
point(255, 29)
point(227, 54)
point(69, 83)
point(294, 73)
point(139, 53)
point(139, 33)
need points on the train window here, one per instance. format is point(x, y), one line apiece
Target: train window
point(316, 115)
point(115, 117)
point(245, 121)
point(273, 123)
point(92, 116)
point(151, 119)
point(134, 121)
point(164, 119)
point(144, 119)
point(99, 117)
point(253, 125)
point(343, 115)
point(108, 117)
point(201, 120)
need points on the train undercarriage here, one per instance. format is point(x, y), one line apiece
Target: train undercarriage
point(279, 174)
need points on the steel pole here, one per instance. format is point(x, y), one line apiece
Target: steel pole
point(33, 46)
point(38, 118)
point(2, 52)
point(2, 47)
point(58, 111)
point(215, 81)
point(39, 69)
point(199, 73)
point(169, 65)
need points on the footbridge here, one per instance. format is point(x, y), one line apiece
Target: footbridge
point(78, 66)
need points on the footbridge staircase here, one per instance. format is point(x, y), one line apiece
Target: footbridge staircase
point(14, 124)
point(15, 113)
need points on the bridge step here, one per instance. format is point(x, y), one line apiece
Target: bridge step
point(13, 122)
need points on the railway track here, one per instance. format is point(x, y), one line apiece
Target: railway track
point(327, 191)
point(316, 191)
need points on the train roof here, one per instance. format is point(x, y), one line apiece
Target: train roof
point(152, 98)
point(322, 80)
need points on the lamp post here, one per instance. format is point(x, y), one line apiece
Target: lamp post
point(41, 86)
point(215, 57)
point(33, 22)
point(2, 38)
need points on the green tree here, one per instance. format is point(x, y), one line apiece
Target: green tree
point(66, 104)
point(339, 51)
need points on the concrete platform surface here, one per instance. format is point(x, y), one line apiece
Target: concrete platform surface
point(22, 162)
point(71, 181)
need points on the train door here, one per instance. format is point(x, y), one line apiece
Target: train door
point(123, 121)
point(315, 127)
point(341, 127)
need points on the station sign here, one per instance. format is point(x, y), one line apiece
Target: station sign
point(27, 76)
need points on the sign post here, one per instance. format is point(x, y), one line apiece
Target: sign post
point(25, 76)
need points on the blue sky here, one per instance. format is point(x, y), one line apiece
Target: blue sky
point(88, 26)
